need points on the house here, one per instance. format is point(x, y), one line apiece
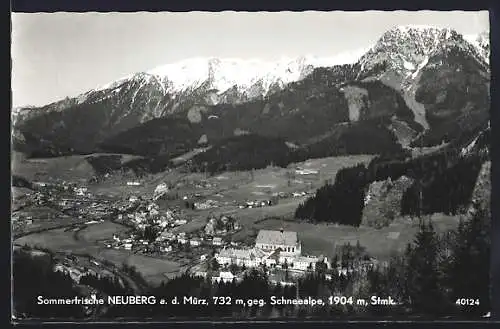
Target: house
point(217, 241)
point(194, 242)
point(166, 235)
point(200, 274)
point(304, 263)
point(166, 249)
point(247, 257)
point(300, 171)
point(80, 191)
point(286, 241)
point(225, 277)
point(180, 222)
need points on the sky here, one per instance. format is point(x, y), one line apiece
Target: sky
point(58, 55)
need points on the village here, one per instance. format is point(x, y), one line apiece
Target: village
point(153, 231)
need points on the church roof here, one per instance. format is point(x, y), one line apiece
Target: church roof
point(287, 238)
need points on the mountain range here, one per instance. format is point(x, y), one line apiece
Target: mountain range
point(418, 86)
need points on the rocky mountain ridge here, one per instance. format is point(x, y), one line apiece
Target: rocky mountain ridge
point(422, 84)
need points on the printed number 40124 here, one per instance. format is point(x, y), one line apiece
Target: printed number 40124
point(467, 301)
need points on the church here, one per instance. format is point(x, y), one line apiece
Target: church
point(286, 242)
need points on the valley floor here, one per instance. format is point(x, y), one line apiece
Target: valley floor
point(230, 194)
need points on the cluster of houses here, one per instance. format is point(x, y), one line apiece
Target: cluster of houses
point(142, 213)
point(77, 271)
point(221, 225)
point(194, 241)
point(129, 243)
point(256, 204)
point(81, 191)
point(305, 171)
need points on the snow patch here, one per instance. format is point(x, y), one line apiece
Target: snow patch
point(466, 150)
point(420, 67)
point(409, 66)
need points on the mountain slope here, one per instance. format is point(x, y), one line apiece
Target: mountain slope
point(79, 124)
point(442, 77)
point(417, 86)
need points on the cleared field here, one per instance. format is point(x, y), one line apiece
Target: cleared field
point(70, 168)
point(239, 187)
point(151, 268)
point(154, 270)
point(323, 238)
point(57, 240)
point(328, 167)
point(100, 231)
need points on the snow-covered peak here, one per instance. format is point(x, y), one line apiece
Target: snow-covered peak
point(113, 84)
point(404, 48)
point(225, 73)
point(222, 74)
point(482, 42)
point(420, 38)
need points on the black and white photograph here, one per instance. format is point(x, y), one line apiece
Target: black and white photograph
point(170, 166)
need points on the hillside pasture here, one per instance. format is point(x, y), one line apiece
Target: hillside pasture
point(382, 243)
point(70, 168)
point(74, 168)
point(100, 231)
point(152, 269)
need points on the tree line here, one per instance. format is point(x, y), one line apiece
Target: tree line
point(443, 182)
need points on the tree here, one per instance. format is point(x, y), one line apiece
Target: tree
point(233, 268)
point(33, 277)
point(151, 233)
point(470, 258)
point(320, 268)
point(422, 273)
point(214, 264)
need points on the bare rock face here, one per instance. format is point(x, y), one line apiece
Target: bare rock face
point(482, 191)
point(383, 201)
point(357, 99)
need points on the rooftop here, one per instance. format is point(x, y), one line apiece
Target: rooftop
point(242, 253)
point(287, 238)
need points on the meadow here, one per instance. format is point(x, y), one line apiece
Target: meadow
point(152, 269)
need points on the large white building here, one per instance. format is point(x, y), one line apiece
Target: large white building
point(286, 242)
